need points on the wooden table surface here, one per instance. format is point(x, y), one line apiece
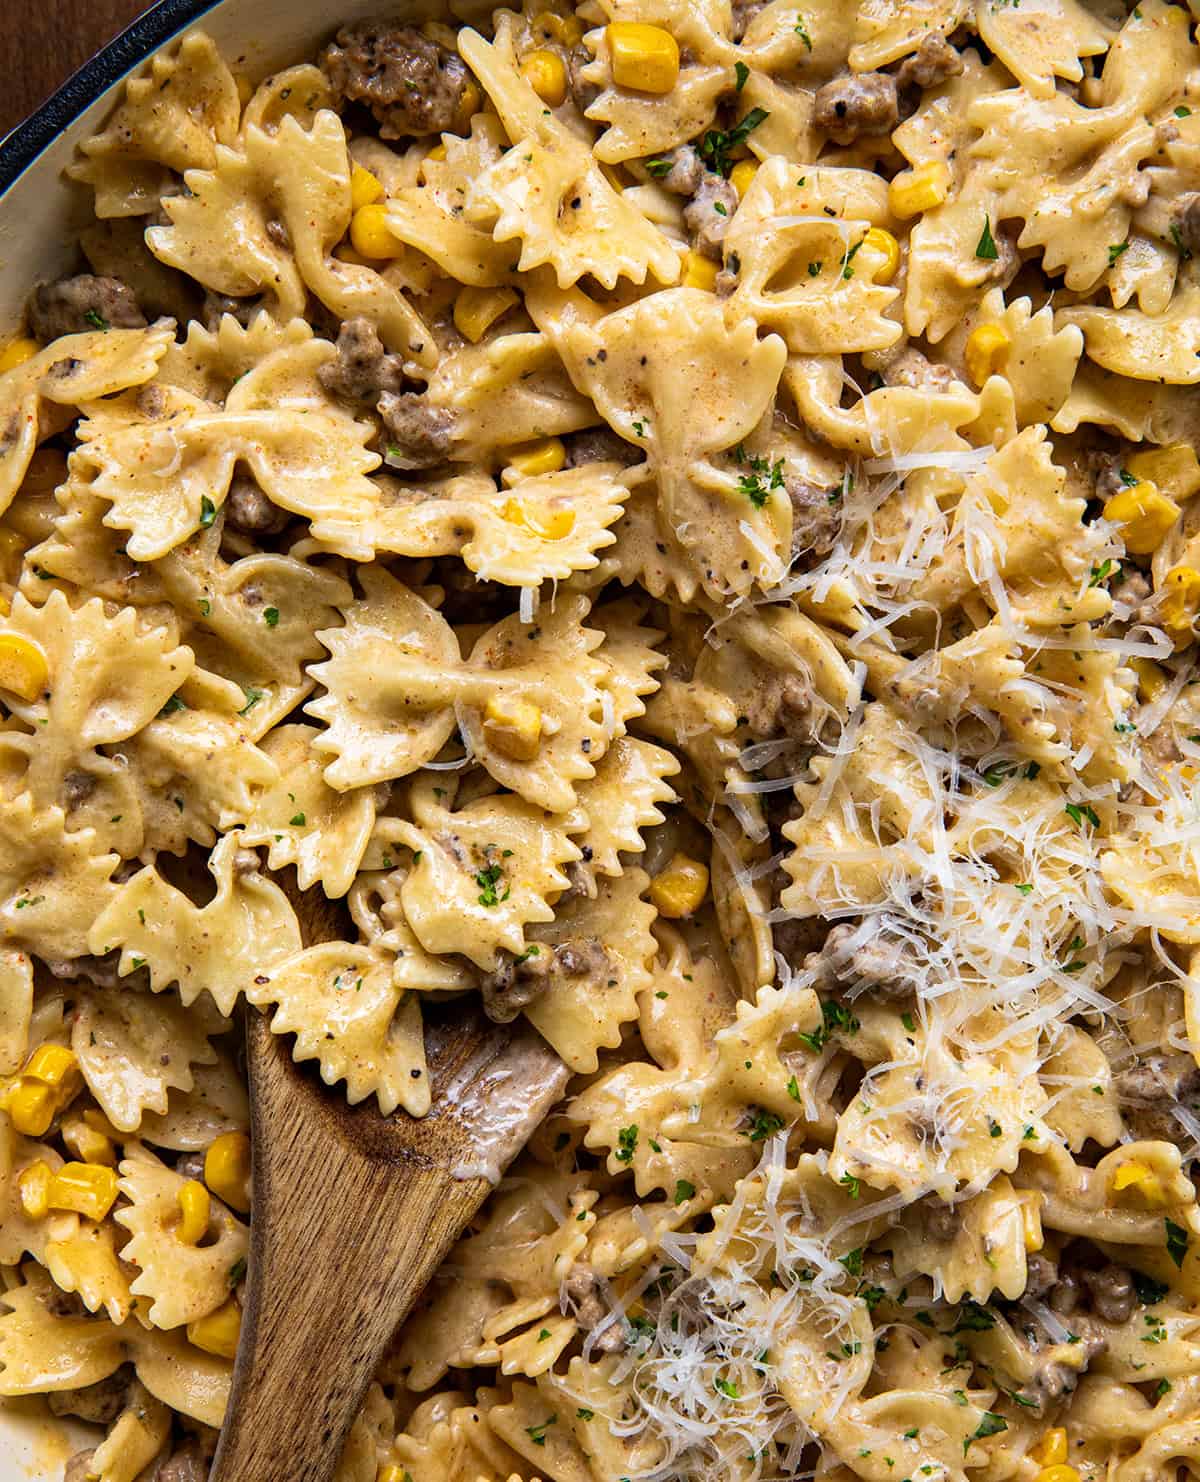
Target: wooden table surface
point(44, 41)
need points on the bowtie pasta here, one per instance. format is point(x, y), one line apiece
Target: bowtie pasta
point(680, 519)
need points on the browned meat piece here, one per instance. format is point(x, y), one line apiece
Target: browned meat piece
point(930, 65)
point(190, 1165)
point(99, 970)
point(73, 305)
point(708, 214)
point(1105, 468)
point(99, 1404)
point(77, 788)
point(583, 960)
point(1112, 1292)
point(1066, 1292)
point(781, 706)
point(516, 983)
point(1148, 1090)
point(1041, 1274)
point(1053, 1381)
point(419, 435)
point(363, 370)
point(884, 966)
point(188, 1464)
point(249, 510)
point(600, 445)
point(76, 1469)
point(911, 368)
point(744, 13)
point(410, 83)
point(583, 93)
point(1187, 219)
point(816, 518)
point(942, 1222)
point(850, 107)
point(64, 1304)
point(581, 1294)
point(217, 305)
point(685, 174)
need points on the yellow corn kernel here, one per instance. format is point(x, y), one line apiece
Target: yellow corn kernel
point(914, 191)
point(741, 177)
point(87, 1189)
point(1061, 1473)
point(513, 726)
point(365, 188)
point(477, 309)
point(5, 605)
point(1144, 515)
point(438, 153)
point(680, 888)
point(88, 1145)
point(218, 1332)
point(53, 1065)
point(568, 29)
point(548, 524)
point(699, 272)
point(195, 1206)
point(535, 459)
point(227, 1170)
point(546, 75)
point(1051, 1449)
point(1139, 1176)
point(645, 58)
point(986, 351)
point(17, 352)
point(393, 1474)
point(1152, 679)
point(1031, 1224)
point(23, 667)
point(33, 1185)
point(469, 105)
point(1181, 599)
point(31, 1106)
point(1174, 469)
point(369, 234)
point(878, 240)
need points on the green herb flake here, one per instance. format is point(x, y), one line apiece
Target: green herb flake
point(626, 1143)
point(684, 1191)
point(208, 512)
point(1177, 1242)
point(986, 246)
point(793, 1089)
point(763, 1124)
point(718, 144)
point(537, 1433)
point(1116, 251)
point(991, 1425)
point(742, 73)
point(271, 616)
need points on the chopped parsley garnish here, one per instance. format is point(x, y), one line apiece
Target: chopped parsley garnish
point(1115, 251)
point(1102, 572)
point(852, 1185)
point(97, 321)
point(1148, 1290)
point(173, 705)
point(626, 1143)
point(793, 1089)
point(972, 1318)
point(582, 1414)
point(252, 699)
point(487, 879)
point(1163, 1387)
point(852, 1261)
point(208, 512)
point(1177, 237)
point(537, 1433)
point(237, 1271)
point(1024, 889)
point(763, 1124)
point(718, 144)
point(763, 478)
point(851, 254)
point(1183, 111)
point(659, 167)
point(271, 616)
point(684, 1190)
point(727, 1388)
point(814, 268)
point(802, 31)
point(742, 73)
point(909, 1023)
point(986, 246)
point(1177, 1242)
point(991, 1425)
point(834, 1016)
point(297, 820)
point(1077, 812)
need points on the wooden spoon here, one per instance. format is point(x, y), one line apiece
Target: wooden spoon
point(353, 1213)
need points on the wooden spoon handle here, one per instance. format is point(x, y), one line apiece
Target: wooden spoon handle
point(331, 1274)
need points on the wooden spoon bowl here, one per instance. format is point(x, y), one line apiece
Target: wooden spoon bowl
point(353, 1213)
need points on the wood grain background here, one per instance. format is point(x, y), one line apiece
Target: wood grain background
point(43, 41)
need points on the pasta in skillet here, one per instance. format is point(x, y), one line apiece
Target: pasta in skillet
point(683, 518)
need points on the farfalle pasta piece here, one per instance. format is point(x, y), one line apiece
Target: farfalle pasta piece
point(72, 371)
point(134, 1049)
point(86, 1263)
point(671, 377)
point(1164, 348)
point(184, 1282)
point(298, 178)
point(548, 191)
point(621, 800)
point(599, 950)
point(166, 478)
point(41, 1351)
point(984, 1253)
point(21, 1233)
point(171, 121)
point(385, 705)
point(245, 929)
point(1039, 45)
point(217, 1103)
point(302, 821)
point(107, 677)
point(1069, 172)
point(16, 1008)
point(1152, 874)
point(53, 881)
point(347, 1011)
point(545, 528)
point(886, 30)
point(1041, 357)
point(806, 264)
point(480, 874)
